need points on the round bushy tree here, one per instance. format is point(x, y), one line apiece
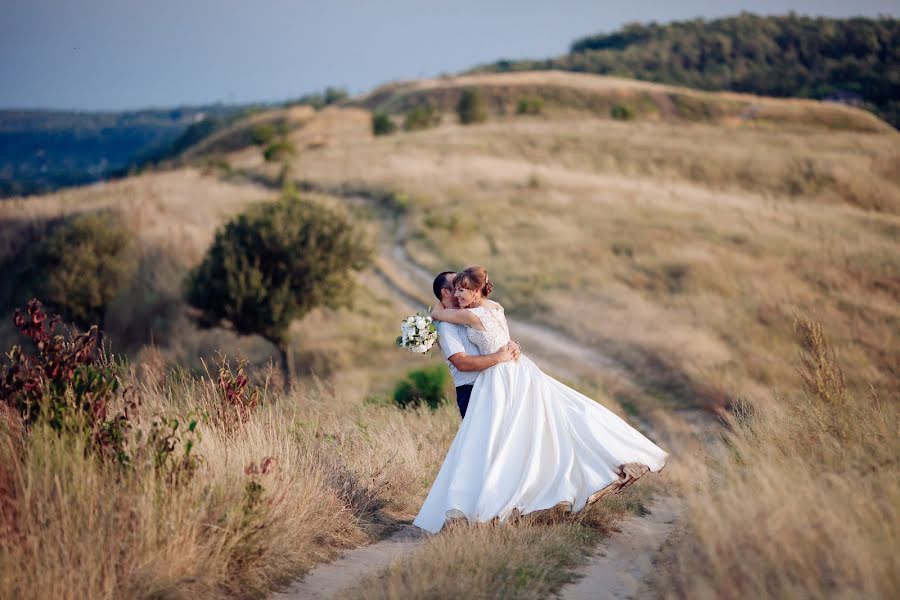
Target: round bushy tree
point(382, 124)
point(82, 265)
point(622, 112)
point(471, 107)
point(272, 265)
point(422, 117)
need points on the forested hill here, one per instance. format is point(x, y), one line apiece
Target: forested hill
point(42, 150)
point(855, 60)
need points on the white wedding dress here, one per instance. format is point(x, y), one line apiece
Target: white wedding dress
point(529, 442)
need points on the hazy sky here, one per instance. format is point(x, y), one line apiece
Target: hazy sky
point(123, 54)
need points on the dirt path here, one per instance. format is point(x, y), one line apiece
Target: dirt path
point(624, 562)
point(413, 283)
point(329, 579)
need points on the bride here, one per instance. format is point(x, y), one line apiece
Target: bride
point(528, 442)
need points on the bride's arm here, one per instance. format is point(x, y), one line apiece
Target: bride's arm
point(459, 316)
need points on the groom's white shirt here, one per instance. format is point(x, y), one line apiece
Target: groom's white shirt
point(453, 340)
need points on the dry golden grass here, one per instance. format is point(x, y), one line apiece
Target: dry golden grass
point(587, 94)
point(344, 471)
point(801, 501)
point(681, 248)
point(531, 558)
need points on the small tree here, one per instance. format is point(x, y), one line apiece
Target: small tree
point(622, 112)
point(278, 150)
point(471, 107)
point(530, 105)
point(382, 124)
point(334, 94)
point(272, 265)
point(422, 117)
point(82, 265)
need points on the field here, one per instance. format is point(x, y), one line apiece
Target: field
point(674, 266)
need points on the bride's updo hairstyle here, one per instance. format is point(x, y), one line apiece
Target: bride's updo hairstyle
point(474, 278)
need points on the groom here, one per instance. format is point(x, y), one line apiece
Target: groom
point(463, 357)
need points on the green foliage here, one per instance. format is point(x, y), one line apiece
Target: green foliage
point(169, 448)
point(319, 100)
point(530, 105)
point(275, 263)
point(77, 147)
point(421, 117)
point(81, 266)
point(472, 107)
point(422, 386)
point(622, 112)
point(807, 57)
point(264, 134)
point(382, 124)
point(334, 94)
point(278, 149)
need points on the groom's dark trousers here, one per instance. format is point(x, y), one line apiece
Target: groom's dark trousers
point(462, 398)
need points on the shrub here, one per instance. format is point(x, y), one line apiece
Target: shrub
point(264, 134)
point(236, 399)
point(622, 112)
point(320, 99)
point(334, 94)
point(530, 105)
point(424, 385)
point(278, 149)
point(273, 264)
point(421, 117)
point(72, 387)
point(471, 107)
point(382, 124)
point(36, 384)
point(81, 266)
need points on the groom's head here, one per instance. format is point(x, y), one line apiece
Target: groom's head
point(443, 289)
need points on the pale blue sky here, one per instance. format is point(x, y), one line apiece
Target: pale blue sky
point(126, 54)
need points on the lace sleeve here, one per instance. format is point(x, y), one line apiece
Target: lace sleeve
point(501, 317)
point(479, 312)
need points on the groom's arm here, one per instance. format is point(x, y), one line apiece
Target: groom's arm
point(467, 362)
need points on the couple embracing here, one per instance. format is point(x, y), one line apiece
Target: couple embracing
point(527, 442)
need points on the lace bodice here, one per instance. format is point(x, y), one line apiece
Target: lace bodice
point(496, 330)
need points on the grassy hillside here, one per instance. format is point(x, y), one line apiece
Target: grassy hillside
point(578, 94)
point(694, 241)
point(44, 150)
point(854, 59)
point(680, 248)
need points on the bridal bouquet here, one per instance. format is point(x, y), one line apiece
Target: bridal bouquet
point(418, 333)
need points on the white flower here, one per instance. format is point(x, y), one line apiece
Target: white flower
point(418, 333)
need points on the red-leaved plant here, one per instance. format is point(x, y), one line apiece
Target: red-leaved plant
point(68, 382)
point(73, 386)
point(237, 399)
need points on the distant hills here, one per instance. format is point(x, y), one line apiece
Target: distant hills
point(42, 150)
point(856, 61)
